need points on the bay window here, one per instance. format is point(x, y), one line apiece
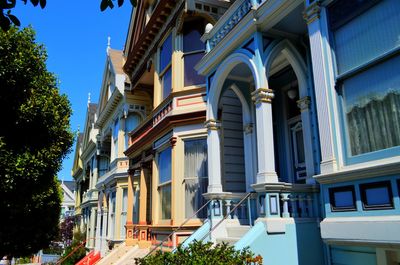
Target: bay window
point(193, 49)
point(165, 67)
point(164, 182)
point(115, 137)
point(195, 176)
point(124, 209)
point(131, 122)
point(366, 46)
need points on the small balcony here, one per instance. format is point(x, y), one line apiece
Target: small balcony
point(232, 17)
point(89, 196)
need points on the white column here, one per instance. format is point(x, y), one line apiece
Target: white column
point(304, 106)
point(214, 156)
point(248, 155)
point(98, 225)
point(262, 98)
point(104, 231)
point(92, 226)
point(321, 83)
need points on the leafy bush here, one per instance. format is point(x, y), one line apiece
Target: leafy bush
point(79, 253)
point(200, 253)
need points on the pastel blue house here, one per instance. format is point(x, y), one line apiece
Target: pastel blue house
point(303, 119)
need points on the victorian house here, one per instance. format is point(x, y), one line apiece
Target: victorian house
point(118, 113)
point(85, 174)
point(267, 124)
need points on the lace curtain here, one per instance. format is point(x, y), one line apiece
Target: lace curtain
point(196, 177)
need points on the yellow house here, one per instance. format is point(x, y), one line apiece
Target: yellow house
point(168, 150)
point(118, 113)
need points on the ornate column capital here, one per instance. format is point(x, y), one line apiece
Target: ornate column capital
point(312, 12)
point(212, 124)
point(173, 141)
point(262, 95)
point(304, 103)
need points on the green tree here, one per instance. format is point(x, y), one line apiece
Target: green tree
point(7, 19)
point(35, 136)
point(200, 253)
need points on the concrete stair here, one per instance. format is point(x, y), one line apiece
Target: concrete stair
point(115, 254)
point(129, 257)
point(234, 233)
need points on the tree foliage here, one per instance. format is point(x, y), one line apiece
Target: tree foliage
point(66, 230)
point(35, 136)
point(7, 19)
point(200, 253)
point(78, 249)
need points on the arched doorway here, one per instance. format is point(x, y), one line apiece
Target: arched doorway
point(294, 152)
point(231, 106)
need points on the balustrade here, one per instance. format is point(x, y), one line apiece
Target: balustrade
point(288, 200)
point(229, 20)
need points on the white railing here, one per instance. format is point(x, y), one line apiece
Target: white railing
point(229, 20)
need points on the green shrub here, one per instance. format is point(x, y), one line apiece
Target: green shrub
point(199, 253)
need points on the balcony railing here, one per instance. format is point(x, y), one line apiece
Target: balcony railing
point(229, 20)
point(285, 200)
point(89, 196)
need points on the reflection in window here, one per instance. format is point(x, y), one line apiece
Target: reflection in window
point(364, 31)
point(164, 182)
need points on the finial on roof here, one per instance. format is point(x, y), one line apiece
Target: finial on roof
point(88, 101)
point(108, 44)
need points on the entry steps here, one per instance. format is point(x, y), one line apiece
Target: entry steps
point(234, 233)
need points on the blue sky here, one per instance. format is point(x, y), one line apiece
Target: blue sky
point(75, 36)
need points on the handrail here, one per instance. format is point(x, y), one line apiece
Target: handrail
point(178, 228)
point(73, 251)
point(226, 216)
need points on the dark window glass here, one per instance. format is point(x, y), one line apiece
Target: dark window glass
point(166, 53)
point(191, 41)
point(191, 76)
point(342, 199)
point(377, 195)
point(167, 83)
point(193, 49)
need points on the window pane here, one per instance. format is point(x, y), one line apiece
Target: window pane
point(372, 108)
point(343, 199)
point(164, 165)
point(191, 41)
point(191, 76)
point(196, 158)
point(196, 180)
point(165, 53)
point(166, 83)
point(368, 36)
point(377, 196)
point(165, 197)
point(300, 147)
point(116, 129)
point(131, 123)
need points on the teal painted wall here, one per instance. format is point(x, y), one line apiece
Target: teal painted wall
point(345, 255)
point(301, 244)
